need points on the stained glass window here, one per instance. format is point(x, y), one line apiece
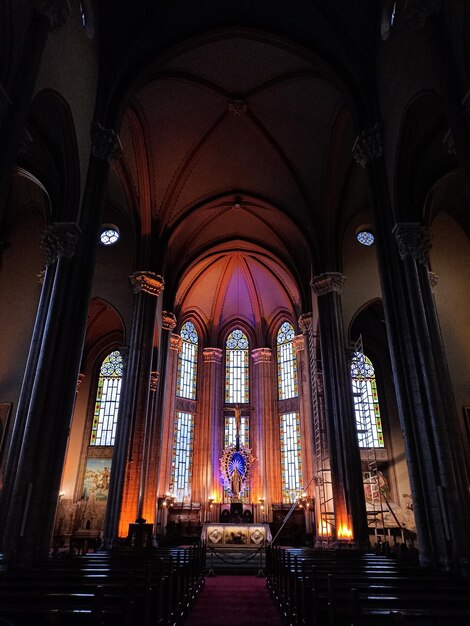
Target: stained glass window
point(291, 460)
point(187, 362)
point(366, 402)
point(286, 363)
point(103, 430)
point(182, 455)
point(236, 368)
point(230, 434)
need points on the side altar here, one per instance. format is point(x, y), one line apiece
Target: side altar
point(235, 535)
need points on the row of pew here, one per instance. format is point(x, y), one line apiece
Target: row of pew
point(148, 588)
point(348, 588)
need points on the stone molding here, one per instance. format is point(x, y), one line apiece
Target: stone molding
point(212, 355)
point(413, 241)
point(56, 11)
point(299, 343)
point(148, 282)
point(105, 143)
point(60, 240)
point(168, 321)
point(261, 355)
point(305, 322)
point(175, 342)
point(418, 11)
point(433, 279)
point(154, 378)
point(237, 107)
point(328, 282)
point(368, 145)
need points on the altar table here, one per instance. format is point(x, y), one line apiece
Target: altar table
point(235, 535)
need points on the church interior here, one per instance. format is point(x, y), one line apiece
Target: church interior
point(230, 310)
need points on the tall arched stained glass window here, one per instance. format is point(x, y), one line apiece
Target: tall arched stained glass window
point(286, 363)
point(103, 430)
point(366, 402)
point(236, 368)
point(181, 463)
point(291, 459)
point(187, 362)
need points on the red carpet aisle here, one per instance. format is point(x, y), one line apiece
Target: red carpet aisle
point(235, 601)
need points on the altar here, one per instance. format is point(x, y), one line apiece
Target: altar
point(216, 535)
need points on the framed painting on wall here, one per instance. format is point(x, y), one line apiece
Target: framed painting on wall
point(96, 479)
point(5, 411)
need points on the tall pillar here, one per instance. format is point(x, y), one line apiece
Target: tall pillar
point(265, 432)
point(48, 393)
point(306, 421)
point(147, 287)
point(154, 449)
point(208, 432)
point(424, 394)
point(346, 473)
point(164, 476)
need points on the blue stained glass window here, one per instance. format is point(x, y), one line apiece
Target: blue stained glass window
point(286, 363)
point(291, 459)
point(187, 362)
point(182, 455)
point(366, 402)
point(103, 430)
point(236, 368)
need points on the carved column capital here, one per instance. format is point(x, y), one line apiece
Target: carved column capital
point(368, 145)
point(299, 343)
point(305, 322)
point(261, 355)
point(212, 355)
point(168, 320)
point(433, 279)
point(60, 240)
point(413, 241)
point(56, 11)
point(327, 283)
point(154, 378)
point(148, 282)
point(175, 342)
point(105, 143)
point(418, 11)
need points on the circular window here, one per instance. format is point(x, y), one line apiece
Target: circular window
point(366, 237)
point(109, 235)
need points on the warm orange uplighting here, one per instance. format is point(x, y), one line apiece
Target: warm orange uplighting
point(344, 532)
point(324, 529)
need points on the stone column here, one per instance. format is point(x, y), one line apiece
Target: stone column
point(154, 449)
point(49, 392)
point(346, 472)
point(265, 432)
point(164, 477)
point(147, 287)
point(206, 482)
point(306, 422)
point(422, 385)
point(48, 15)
